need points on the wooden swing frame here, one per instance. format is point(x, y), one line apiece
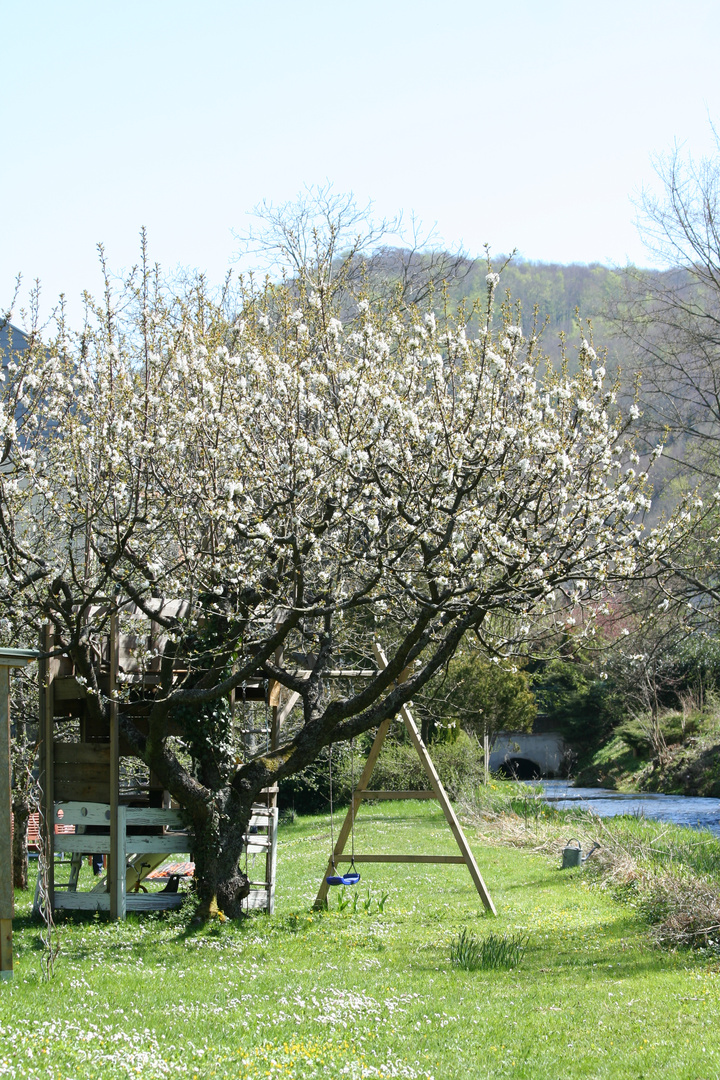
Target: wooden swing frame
point(438, 792)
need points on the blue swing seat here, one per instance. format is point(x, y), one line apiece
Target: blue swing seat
point(351, 878)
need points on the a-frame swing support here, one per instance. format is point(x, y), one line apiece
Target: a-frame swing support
point(438, 792)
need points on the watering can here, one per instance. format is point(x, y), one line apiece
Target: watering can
point(573, 856)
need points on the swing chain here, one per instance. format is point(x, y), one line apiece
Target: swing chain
point(332, 835)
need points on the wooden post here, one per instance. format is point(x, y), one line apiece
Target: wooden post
point(486, 757)
point(46, 674)
point(6, 877)
point(8, 658)
point(116, 870)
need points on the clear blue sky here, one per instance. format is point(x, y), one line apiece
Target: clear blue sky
point(526, 124)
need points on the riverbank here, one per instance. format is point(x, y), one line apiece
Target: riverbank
point(688, 765)
point(358, 993)
point(669, 872)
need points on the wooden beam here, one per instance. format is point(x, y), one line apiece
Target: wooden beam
point(441, 860)
point(170, 843)
point(280, 717)
point(92, 901)
point(369, 794)
point(6, 954)
point(7, 897)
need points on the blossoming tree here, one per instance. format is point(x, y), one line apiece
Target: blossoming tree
point(304, 485)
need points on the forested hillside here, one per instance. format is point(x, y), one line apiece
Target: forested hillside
point(560, 294)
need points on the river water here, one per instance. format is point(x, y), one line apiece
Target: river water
point(695, 812)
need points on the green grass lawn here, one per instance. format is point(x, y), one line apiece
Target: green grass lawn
point(343, 994)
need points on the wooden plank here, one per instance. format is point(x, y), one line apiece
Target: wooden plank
point(84, 844)
point(68, 772)
point(82, 813)
point(380, 795)
point(80, 901)
point(98, 813)
point(67, 688)
point(151, 815)
point(256, 900)
point(82, 791)
point(92, 901)
point(441, 795)
point(159, 901)
point(441, 860)
point(321, 898)
point(258, 821)
point(168, 843)
point(172, 843)
point(81, 753)
point(271, 863)
point(117, 864)
point(7, 896)
point(280, 717)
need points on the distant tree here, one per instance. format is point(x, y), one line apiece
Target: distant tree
point(325, 239)
point(672, 319)
point(478, 695)
point(577, 699)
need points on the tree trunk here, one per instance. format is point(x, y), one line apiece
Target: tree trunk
point(21, 815)
point(221, 885)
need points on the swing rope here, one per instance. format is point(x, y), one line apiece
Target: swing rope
point(332, 834)
point(352, 877)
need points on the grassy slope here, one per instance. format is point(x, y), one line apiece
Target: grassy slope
point(303, 994)
point(689, 769)
point(613, 765)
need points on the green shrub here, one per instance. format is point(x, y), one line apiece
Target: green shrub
point(459, 764)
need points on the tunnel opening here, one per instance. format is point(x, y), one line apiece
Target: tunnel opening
point(517, 768)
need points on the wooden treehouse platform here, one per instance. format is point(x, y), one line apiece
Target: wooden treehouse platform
point(133, 826)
